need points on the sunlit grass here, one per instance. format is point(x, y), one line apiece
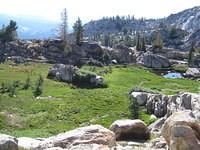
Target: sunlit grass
point(77, 107)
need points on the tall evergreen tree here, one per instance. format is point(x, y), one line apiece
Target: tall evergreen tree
point(138, 42)
point(107, 40)
point(78, 32)
point(128, 41)
point(143, 45)
point(64, 27)
point(9, 33)
point(191, 54)
point(158, 42)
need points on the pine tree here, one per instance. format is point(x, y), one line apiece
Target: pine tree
point(106, 39)
point(64, 27)
point(9, 33)
point(143, 45)
point(78, 32)
point(191, 54)
point(128, 41)
point(38, 86)
point(134, 107)
point(158, 42)
point(138, 42)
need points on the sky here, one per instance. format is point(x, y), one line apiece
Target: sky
point(95, 9)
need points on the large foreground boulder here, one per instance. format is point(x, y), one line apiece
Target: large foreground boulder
point(130, 130)
point(8, 142)
point(182, 131)
point(94, 135)
point(151, 60)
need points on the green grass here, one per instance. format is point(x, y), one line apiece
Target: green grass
point(77, 107)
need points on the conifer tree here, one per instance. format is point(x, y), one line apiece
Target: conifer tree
point(138, 42)
point(191, 54)
point(158, 42)
point(78, 32)
point(64, 27)
point(143, 45)
point(9, 33)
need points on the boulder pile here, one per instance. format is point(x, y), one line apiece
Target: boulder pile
point(161, 105)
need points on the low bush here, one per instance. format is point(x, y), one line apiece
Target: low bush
point(11, 91)
point(37, 91)
point(2, 121)
point(38, 86)
point(4, 88)
point(27, 84)
point(16, 83)
point(82, 79)
point(134, 107)
point(8, 88)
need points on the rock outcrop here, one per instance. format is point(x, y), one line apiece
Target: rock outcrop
point(130, 130)
point(193, 73)
point(52, 50)
point(90, 137)
point(182, 131)
point(171, 53)
point(141, 97)
point(72, 74)
point(151, 60)
point(122, 54)
point(8, 142)
point(62, 72)
point(161, 105)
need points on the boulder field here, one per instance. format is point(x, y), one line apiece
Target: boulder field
point(93, 137)
point(180, 131)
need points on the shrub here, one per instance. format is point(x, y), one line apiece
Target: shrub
point(4, 87)
point(2, 121)
point(37, 91)
point(83, 76)
point(40, 81)
point(158, 42)
point(92, 69)
point(93, 62)
point(38, 86)
point(12, 91)
point(134, 107)
point(110, 69)
point(16, 83)
point(82, 79)
point(8, 88)
point(27, 84)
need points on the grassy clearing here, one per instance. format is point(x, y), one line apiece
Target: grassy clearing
point(76, 107)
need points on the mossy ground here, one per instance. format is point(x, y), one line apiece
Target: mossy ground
point(76, 107)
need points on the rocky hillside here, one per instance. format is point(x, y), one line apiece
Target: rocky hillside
point(186, 25)
point(118, 24)
point(187, 20)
